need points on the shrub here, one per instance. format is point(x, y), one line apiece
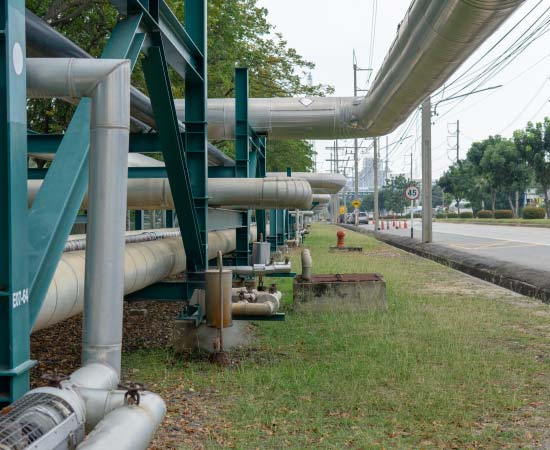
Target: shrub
point(504, 214)
point(485, 214)
point(466, 215)
point(532, 212)
point(452, 216)
point(440, 216)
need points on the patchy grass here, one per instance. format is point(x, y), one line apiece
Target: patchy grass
point(539, 223)
point(454, 363)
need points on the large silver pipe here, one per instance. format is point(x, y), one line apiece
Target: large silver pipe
point(107, 82)
point(240, 193)
point(130, 427)
point(145, 263)
point(433, 40)
point(321, 183)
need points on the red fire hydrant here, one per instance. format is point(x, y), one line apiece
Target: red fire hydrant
point(340, 235)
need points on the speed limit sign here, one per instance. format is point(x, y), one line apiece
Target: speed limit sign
point(412, 192)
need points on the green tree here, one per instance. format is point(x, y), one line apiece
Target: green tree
point(239, 34)
point(455, 182)
point(393, 194)
point(533, 144)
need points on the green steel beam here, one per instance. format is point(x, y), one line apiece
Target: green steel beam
point(57, 203)
point(193, 230)
point(14, 293)
point(261, 221)
point(49, 143)
point(196, 145)
point(181, 52)
point(242, 155)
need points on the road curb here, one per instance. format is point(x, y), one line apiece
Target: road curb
point(526, 225)
point(517, 278)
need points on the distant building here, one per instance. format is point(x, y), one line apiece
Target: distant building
point(366, 175)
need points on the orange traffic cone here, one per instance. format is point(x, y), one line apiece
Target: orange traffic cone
point(382, 224)
point(405, 225)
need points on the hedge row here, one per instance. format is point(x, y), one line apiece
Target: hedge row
point(531, 212)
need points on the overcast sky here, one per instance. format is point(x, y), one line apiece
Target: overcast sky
point(327, 32)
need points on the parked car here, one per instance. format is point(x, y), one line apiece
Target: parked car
point(363, 218)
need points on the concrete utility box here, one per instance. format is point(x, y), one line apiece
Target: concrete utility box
point(362, 291)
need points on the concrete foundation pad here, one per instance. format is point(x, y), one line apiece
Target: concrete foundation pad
point(188, 338)
point(346, 292)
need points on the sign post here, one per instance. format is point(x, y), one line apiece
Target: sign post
point(356, 204)
point(412, 193)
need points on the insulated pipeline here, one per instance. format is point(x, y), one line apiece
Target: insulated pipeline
point(241, 193)
point(145, 263)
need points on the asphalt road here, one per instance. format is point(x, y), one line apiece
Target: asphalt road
point(527, 246)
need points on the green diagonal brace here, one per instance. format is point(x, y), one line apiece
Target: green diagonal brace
point(160, 92)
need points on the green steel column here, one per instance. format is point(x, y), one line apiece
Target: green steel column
point(169, 219)
point(273, 229)
point(196, 96)
point(176, 156)
point(260, 173)
point(14, 284)
point(242, 150)
point(138, 219)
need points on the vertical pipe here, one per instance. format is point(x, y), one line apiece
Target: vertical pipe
point(375, 167)
point(427, 171)
point(104, 280)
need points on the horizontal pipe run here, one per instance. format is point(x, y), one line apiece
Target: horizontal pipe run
point(432, 42)
point(239, 193)
point(74, 245)
point(260, 269)
point(321, 183)
point(145, 264)
point(129, 427)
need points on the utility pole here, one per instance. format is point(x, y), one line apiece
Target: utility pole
point(356, 90)
point(457, 140)
point(375, 168)
point(455, 134)
point(427, 169)
point(412, 201)
point(387, 161)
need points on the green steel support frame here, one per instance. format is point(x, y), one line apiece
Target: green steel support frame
point(14, 286)
point(33, 241)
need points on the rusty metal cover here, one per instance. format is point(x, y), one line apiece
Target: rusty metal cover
point(346, 278)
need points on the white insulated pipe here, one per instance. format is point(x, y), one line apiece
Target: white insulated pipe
point(321, 183)
point(145, 263)
point(321, 199)
point(239, 193)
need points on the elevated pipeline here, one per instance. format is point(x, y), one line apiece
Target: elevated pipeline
point(238, 193)
point(433, 40)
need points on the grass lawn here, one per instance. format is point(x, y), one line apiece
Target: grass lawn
point(454, 363)
point(542, 223)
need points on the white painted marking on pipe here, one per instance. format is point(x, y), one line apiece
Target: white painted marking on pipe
point(17, 58)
